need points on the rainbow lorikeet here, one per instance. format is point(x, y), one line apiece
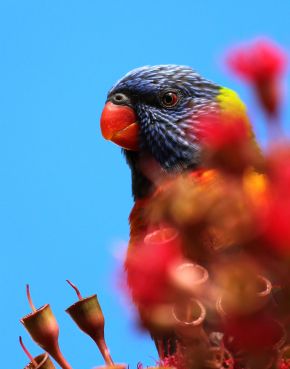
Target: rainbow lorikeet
point(153, 113)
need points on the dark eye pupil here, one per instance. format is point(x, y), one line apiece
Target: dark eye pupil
point(170, 99)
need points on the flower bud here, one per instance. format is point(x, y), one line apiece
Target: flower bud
point(245, 296)
point(39, 362)
point(261, 63)
point(189, 316)
point(43, 362)
point(190, 278)
point(43, 328)
point(88, 316)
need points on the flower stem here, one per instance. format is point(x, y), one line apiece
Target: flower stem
point(30, 357)
point(29, 298)
point(58, 357)
point(76, 289)
point(104, 350)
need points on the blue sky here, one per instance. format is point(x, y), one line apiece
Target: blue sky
point(65, 192)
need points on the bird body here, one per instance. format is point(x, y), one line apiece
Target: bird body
point(154, 114)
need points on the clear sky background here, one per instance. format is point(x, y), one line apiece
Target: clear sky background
point(65, 192)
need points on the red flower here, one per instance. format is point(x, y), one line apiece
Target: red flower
point(284, 364)
point(261, 63)
point(219, 132)
point(274, 213)
point(276, 222)
point(149, 265)
point(278, 168)
point(228, 142)
point(284, 360)
point(255, 333)
point(173, 361)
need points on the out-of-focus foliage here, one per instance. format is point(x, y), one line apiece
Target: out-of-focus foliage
point(225, 297)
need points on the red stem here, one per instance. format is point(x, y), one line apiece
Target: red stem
point(30, 357)
point(104, 350)
point(75, 288)
point(58, 357)
point(29, 298)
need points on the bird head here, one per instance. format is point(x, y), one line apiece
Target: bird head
point(154, 110)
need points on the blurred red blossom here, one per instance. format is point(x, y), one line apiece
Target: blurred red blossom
point(225, 134)
point(253, 332)
point(149, 266)
point(261, 63)
point(274, 223)
point(173, 361)
point(274, 214)
point(218, 132)
point(284, 365)
point(278, 167)
point(284, 359)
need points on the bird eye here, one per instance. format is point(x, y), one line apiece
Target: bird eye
point(169, 99)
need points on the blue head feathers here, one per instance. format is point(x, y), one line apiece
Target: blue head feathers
point(167, 99)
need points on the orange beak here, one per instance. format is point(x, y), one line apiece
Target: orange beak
point(119, 125)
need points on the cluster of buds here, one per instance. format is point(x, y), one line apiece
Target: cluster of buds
point(210, 274)
point(43, 328)
point(262, 64)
